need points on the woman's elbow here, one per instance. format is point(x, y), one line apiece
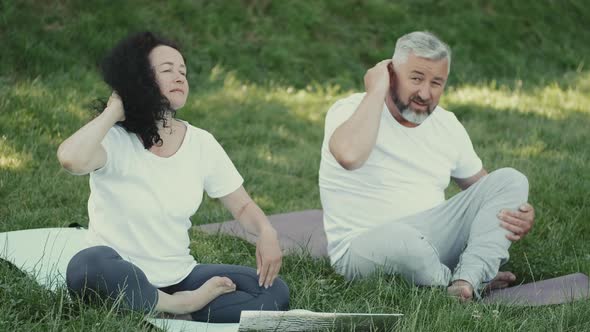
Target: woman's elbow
point(62, 156)
point(67, 160)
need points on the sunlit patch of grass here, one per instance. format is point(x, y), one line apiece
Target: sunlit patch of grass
point(10, 162)
point(309, 104)
point(553, 101)
point(30, 89)
point(535, 149)
point(10, 159)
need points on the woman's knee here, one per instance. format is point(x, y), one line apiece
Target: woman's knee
point(247, 279)
point(280, 294)
point(87, 264)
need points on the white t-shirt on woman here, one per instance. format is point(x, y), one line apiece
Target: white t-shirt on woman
point(140, 203)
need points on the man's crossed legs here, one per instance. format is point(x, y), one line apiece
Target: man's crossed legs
point(458, 243)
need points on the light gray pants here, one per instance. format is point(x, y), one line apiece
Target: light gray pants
point(462, 234)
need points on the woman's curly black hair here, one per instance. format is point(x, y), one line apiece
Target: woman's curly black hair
point(127, 70)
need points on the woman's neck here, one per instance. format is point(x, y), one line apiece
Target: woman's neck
point(166, 123)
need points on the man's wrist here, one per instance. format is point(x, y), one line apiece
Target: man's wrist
point(377, 93)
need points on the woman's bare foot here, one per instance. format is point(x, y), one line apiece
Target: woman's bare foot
point(462, 290)
point(185, 302)
point(197, 299)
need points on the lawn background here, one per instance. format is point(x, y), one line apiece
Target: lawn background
point(262, 76)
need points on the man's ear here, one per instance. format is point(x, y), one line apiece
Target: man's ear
point(392, 75)
point(392, 79)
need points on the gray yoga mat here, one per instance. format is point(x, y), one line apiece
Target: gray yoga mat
point(303, 232)
point(564, 289)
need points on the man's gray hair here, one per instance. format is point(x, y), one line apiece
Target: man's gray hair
point(423, 44)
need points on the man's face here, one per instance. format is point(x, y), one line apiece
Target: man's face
point(419, 85)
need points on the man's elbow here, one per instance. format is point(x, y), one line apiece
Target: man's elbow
point(350, 165)
point(349, 161)
point(347, 154)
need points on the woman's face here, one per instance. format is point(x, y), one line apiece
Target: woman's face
point(170, 71)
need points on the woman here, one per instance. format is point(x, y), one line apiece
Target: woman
point(147, 172)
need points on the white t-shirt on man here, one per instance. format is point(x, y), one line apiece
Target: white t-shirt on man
point(406, 172)
point(140, 204)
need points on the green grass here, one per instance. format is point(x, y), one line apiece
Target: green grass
point(263, 75)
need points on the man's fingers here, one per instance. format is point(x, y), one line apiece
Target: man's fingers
point(522, 223)
point(514, 229)
point(512, 237)
point(382, 65)
point(384, 62)
point(518, 222)
point(513, 214)
point(514, 221)
point(525, 207)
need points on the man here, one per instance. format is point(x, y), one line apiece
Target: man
point(387, 157)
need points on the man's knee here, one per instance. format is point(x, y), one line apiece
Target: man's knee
point(510, 178)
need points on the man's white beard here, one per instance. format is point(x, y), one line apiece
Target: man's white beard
point(412, 116)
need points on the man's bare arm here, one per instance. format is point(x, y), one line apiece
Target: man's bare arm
point(352, 142)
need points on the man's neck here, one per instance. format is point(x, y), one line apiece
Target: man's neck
point(394, 111)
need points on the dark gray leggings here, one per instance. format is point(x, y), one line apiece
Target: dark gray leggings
point(100, 273)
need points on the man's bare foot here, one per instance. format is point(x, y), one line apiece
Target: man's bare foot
point(462, 290)
point(197, 299)
point(502, 280)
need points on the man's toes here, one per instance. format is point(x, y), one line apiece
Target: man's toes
point(502, 280)
point(505, 276)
